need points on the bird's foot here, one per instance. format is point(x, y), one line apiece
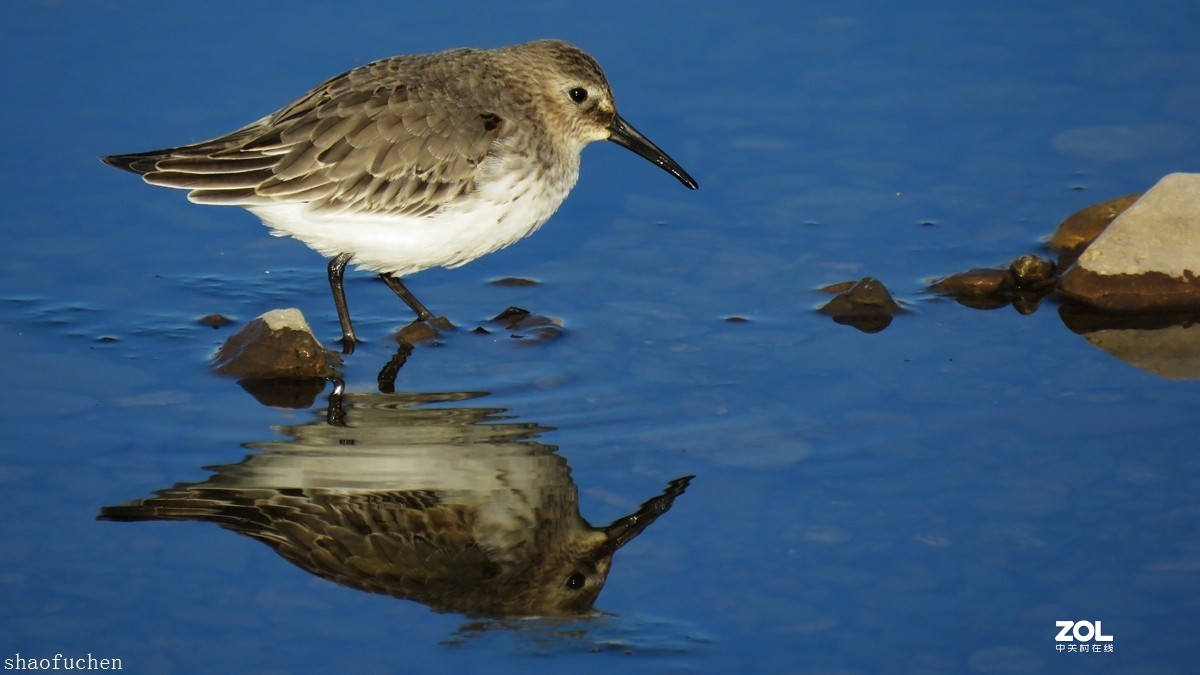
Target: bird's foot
point(348, 343)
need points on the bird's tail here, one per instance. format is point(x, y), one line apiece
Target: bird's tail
point(228, 508)
point(139, 162)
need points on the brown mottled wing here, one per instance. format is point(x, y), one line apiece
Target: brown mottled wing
point(379, 138)
point(402, 543)
point(398, 543)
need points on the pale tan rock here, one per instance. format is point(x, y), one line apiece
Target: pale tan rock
point(1149, 257)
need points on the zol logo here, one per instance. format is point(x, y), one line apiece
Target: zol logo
point(1083, 631)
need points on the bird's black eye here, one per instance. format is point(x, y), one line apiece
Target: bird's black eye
point(576, 581)
point(578, 94)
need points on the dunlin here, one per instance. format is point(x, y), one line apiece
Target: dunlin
point(412, 162)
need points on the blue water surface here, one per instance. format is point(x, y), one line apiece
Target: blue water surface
point(929, 498)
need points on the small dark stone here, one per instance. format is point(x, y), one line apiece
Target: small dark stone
point(867, 306)
point(1030, 271)
point(214, 320)
point(736, 319)
point(524, 325)
point(417, 331)
point(510, 317)
point(513, 282)
point(868, 296)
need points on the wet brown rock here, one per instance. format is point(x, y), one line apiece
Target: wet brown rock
point(982, 282)
point(868, 295)
point(417, 331)
point(276, 345)
point(424, 331)
point(867, 306)
point(1030, 271)
point(1148, 259)
point(839, 287)
point(1024, 284)
point(1133, 293)
point(1082, 227)
point(214, 320)
point(524, 325)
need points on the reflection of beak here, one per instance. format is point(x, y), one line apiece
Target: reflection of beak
point(627, 137)
point(624, 530)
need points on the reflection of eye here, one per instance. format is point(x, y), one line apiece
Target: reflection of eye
point(576, 581)
point(578, 94)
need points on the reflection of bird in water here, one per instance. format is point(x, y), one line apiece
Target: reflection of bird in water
point(427, 504)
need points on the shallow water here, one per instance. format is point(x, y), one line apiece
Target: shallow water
point(929, 498)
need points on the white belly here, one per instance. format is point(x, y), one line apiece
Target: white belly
point(499, 213)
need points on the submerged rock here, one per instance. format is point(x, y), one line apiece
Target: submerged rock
point(424, 331)
point(1148, 259)
point(276, 345)
point(524, 325)
point(866, 305)
point(214, 320)
point(513, 282)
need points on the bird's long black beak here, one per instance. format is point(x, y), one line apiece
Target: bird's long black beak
point(624, 530)
point(626, 136)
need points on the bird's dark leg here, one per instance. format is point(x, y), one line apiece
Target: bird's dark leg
point(337, 267)
point(406, 295)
